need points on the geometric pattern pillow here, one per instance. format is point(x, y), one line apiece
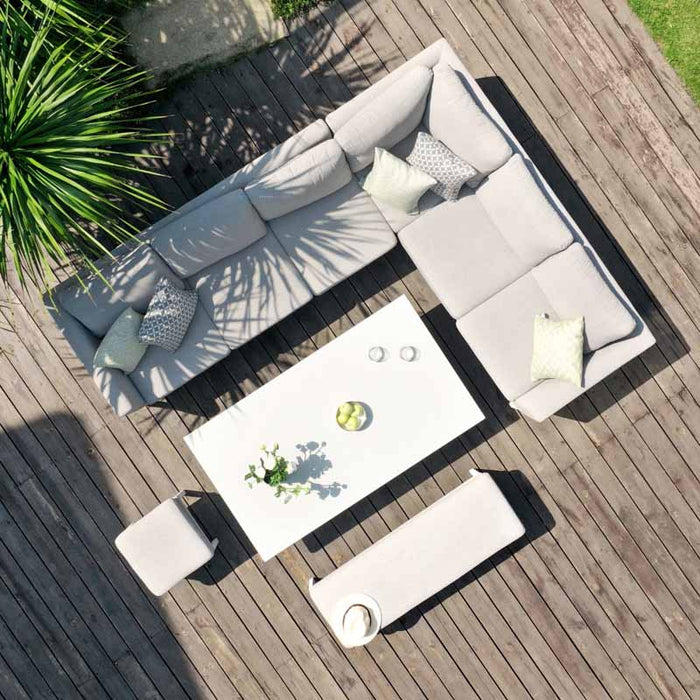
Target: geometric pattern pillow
point(557, 351)
point(433, 157)
point(168, 317)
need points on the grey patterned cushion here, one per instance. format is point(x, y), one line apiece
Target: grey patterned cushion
point(168, 317)
point(433, 157)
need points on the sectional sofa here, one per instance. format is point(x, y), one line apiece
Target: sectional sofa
point(296, 221)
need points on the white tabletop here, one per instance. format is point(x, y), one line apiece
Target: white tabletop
point(417, 407)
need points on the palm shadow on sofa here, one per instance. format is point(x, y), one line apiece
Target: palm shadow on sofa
point(534, 515)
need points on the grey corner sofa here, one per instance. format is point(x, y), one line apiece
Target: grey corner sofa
point(296, 221)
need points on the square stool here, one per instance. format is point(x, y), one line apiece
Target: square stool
point(165, 545)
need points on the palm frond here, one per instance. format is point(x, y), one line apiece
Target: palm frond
point(68, 144)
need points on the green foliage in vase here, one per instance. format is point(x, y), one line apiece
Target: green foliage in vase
point(68, 147)
point(273, 469)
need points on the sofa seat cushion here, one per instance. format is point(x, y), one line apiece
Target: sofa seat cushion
point(388, 119)
point(314, 174)
point(563, 287)
point(500, 333)
point(461, 254)
point(193, 241)
point(161, 372)
point(131, 279)
point(576, 287)
point(250, 291)
point(523, 214)
point(334, 237)
point(454, 117)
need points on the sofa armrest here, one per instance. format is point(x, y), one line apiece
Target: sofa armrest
point(117, 388)
point(551, 395)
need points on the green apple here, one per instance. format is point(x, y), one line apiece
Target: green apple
point(345, 409)
point(342, 418)
point(358, 411)
point(352, 423)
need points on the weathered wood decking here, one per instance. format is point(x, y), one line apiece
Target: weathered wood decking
point(603, 596)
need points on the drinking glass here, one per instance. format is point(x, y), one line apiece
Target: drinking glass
point(378, 353)
point(409, 353)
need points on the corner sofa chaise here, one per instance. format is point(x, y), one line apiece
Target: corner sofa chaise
point(296, 221)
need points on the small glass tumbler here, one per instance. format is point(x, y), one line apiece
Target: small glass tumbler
point(377, 354)
point(409, 353)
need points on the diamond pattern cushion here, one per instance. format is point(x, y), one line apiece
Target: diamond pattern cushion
point(397, 183)
point(120, 348)
point(433, 157)
point(557, 349)
point(168, 317)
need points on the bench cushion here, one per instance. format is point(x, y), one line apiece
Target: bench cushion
point(250, 291)
point(314, 174)
point(331, 239)
point(132, 280)
point(427, 552)
point(388, 119)
point(191, 242)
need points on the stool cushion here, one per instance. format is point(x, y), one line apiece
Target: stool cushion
point(165, 546)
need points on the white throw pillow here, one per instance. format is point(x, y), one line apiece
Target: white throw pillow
point(120, 348)
point(557, 350)
point(397, 183)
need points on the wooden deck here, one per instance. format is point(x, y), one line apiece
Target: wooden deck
point(601, 599)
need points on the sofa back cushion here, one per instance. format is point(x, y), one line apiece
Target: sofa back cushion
point(314, 174)
point(221, 228)
point(526, 218)
point(129, 281)
point(575, 287)
point(391, 117)
point(454, 117)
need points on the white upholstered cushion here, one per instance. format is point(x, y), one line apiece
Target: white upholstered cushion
point(334, 237)
point(165, 546)
point(388, 119)
point(461, 254)
point(500, 333)
point(250, 291)
point(314, 174)
point(454, 117)
point(523, 213)
point(576, 287)
point(426, 553)
point(193, 241)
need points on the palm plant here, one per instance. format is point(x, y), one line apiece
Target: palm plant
point(67, 149)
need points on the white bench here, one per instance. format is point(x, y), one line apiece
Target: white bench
point(419, 558)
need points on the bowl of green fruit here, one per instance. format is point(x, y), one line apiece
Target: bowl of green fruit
point(351, 416)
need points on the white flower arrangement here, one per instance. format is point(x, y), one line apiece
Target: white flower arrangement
point(273, 470)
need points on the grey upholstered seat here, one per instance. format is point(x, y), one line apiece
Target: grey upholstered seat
point(334, 237)
point(248, 292)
